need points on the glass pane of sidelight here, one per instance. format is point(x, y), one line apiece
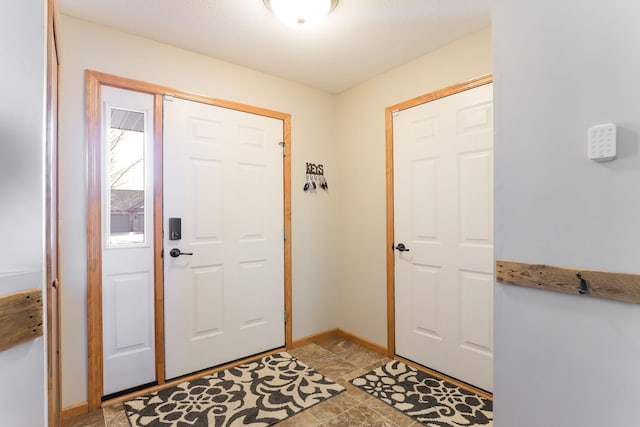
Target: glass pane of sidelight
point(125, 178)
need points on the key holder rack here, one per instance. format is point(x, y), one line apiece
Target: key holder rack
point(315, 178)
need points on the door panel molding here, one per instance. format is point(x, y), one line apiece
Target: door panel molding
point(389, 113)
point(93, 82)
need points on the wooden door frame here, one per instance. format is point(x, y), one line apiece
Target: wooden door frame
point(389, 112)
point(54, 365)
point(93, 81)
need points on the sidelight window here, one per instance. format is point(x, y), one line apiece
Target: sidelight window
point(125, 142)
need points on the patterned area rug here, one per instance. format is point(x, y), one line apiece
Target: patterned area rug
point(429, 400)
point(260, 393)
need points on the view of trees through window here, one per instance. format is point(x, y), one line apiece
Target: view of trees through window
point(126, 177)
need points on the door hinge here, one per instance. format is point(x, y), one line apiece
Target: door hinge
point(284, 146)
point(284, 233)
point(285, 316)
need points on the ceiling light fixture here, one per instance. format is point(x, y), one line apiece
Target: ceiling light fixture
point(301, 13)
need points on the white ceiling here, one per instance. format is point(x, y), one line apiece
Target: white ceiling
point(360, 39)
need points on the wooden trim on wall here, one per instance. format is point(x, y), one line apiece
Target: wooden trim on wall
point(313, 338)
point(94, 243)
point(391, 261)
point(74, 410)
point(53, 335)
point(389, 112)
point(94, 80)
point(337, 332)
point(158, 267)
point(599, 284)
point(21, 317)
point(442, 93)
point(144, 87)
point(288, 300)
point(364, 343)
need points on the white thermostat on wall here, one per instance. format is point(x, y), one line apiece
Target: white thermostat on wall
point(602, 142)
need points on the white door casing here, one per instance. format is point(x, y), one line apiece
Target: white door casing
point(443, 213)
point(127, 268)
point(223, 176)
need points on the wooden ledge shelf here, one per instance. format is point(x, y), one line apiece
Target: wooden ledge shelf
point(599, 284)
point(20, 317)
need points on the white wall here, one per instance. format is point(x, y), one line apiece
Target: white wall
point(89, 46)
point(560, 67)
point(362, 187)
point(22, 47)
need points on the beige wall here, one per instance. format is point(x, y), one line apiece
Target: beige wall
point(89, 46)
point(361, 162)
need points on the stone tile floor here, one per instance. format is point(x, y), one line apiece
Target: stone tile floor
point(337, 358)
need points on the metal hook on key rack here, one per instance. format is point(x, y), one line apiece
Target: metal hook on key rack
point(583, 287)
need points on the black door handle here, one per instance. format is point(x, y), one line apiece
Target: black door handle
point(402, 248)
point(175, 252)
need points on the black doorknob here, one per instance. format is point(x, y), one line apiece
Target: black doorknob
point(402, 248)
point(175, 252)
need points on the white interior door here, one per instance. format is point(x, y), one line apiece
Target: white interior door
point(443, 210)
point(223, 176)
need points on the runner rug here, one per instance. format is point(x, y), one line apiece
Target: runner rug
point(259, 393)
point(429, 400)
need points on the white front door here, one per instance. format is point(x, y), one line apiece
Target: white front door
point(223, 177)
point(443, 214)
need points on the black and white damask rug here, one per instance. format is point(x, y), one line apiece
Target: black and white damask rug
point(429, 400)
point(259, 393)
